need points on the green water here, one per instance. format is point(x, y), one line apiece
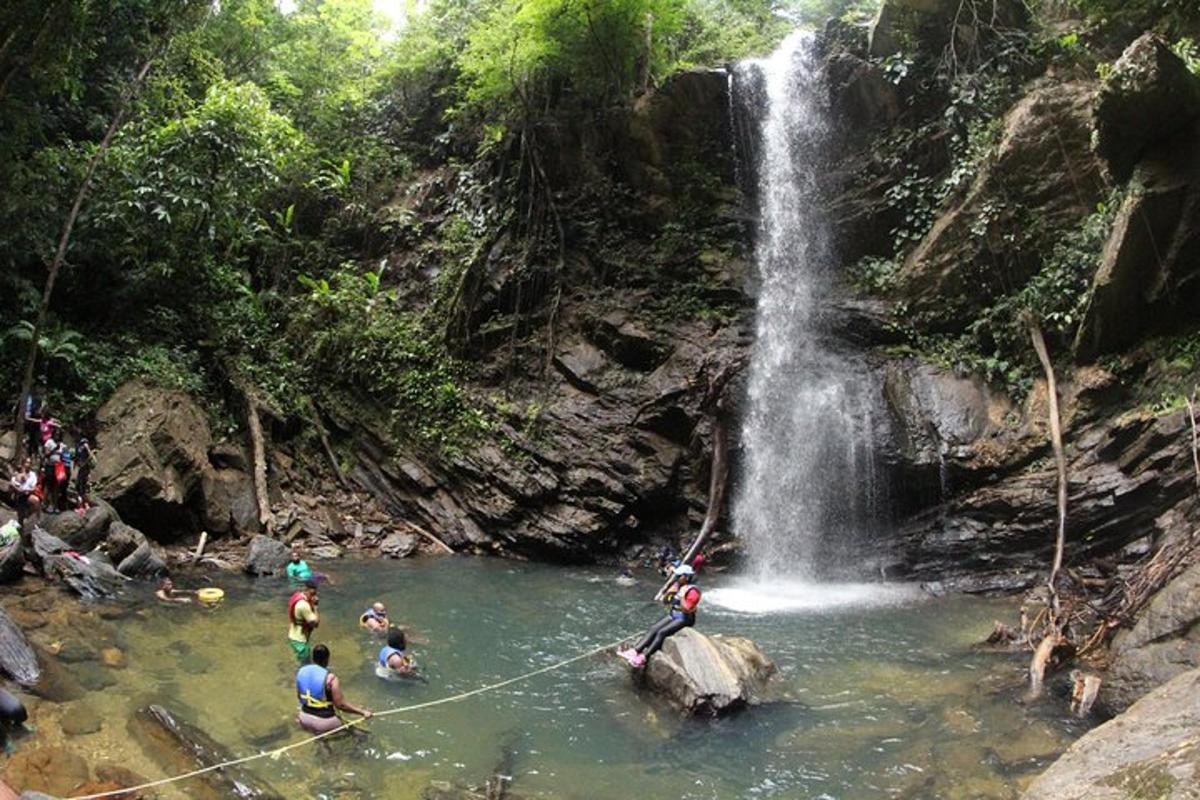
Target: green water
point(886, 702)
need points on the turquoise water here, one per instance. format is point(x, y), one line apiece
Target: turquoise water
point(888, 701)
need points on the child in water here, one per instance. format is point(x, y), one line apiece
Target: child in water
point(394, 660)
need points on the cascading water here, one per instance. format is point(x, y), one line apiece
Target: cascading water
point(807, 489)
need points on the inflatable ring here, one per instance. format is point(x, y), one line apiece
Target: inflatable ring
point(210, 596)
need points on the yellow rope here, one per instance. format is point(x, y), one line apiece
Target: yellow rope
point(276, 753)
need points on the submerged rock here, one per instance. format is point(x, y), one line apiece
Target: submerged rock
point(54, 770)
point(17, 658)
point(267, 556)
point(709, 675)
point(1150, 751)
point(178, 747)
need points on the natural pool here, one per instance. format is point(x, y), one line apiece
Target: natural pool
point(886, 701)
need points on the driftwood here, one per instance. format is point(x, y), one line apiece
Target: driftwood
point(430, 537)
point(315, 419)
point(1084, 690)
point(252, 404)
point(1060, 460)
point(200, 547)
point(714, 405)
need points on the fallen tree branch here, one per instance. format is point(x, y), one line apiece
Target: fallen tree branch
point(1060, 460)
point(258, 451)
point(1191, 407)
point(326, 445)
point(429, 536)
point(714, 404)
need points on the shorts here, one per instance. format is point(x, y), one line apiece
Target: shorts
point(315, 724)
point(302, 651)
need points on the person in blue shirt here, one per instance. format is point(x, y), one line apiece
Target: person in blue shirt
point(393, 657)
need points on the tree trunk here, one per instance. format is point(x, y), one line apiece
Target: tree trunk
point(64, 241)
point(259, 467)
point(1060, 459)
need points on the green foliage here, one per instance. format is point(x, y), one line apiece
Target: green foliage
point(345, 327)
point(1187, 49)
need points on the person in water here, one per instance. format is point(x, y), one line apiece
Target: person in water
point(167, 592)
point(394, 656)
point(682, 600)
point(375, 618)
point(298, 569)
point(320, 695)
point(304, 619)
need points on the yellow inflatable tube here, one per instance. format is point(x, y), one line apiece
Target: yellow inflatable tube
point(210, 596)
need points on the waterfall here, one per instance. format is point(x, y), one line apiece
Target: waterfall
point(807, 492)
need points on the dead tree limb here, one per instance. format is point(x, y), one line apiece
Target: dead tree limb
point(258, 450)
point(714, 404)
point(64, 241)
point(326, 445)
point(1060, 459)
point(1191, 407)
point(430, 537)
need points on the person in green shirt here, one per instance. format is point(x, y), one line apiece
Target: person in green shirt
point(304, 619)
point(298, 569)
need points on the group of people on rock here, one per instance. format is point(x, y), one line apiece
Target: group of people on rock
point(42, 480)
point(318, 689)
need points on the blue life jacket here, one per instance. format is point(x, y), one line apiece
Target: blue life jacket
point(310, 689)
point(387, 652)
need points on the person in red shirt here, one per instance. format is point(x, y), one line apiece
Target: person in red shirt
point(681, 613)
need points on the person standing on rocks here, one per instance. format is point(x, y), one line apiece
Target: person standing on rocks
point(320, 695)
point(304, 619)
point(84, 461)
point(682, 602)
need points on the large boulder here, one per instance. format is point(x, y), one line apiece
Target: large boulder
point(1164, 643)
point(17, 658)
point(267, 556)
point(982, 247)
point(229, 502)
point(12, 561)
point(927, 25)
point(91, 576)
point(1150, 97)
point(55, 770)
point(1147, 278)
point(709, 675)
point(154, 452)
point(1150, 751)
point(81, 531)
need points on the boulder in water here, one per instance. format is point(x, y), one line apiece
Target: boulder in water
point(90, 576)
point(1150, 751)
point(81, 531)
point(709, 675)
point(17, 658)
point(144, 562)
point(12, 561)
point(267, 556)
point(178, 747)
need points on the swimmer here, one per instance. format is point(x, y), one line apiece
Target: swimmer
point(394, 658)
point(375, 618)
point(167, 592)
point(320, 695)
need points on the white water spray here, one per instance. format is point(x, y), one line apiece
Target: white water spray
point(807, 490)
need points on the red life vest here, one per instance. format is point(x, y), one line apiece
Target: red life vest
point(296, 598)
point(60, 472)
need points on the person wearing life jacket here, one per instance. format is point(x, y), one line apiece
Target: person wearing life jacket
point(303, 618)
point(394, 657)
point(320, 695)
point(375, 618)
point(682, 599)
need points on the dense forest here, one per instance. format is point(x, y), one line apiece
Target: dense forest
point(240, 216)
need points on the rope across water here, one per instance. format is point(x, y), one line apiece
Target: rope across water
point(277, 752)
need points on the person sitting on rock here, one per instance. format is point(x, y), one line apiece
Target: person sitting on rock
point(298, 569)
point(375, 618)
point(682, 599)
point(167, 592)
point(394, 659)
point(304, 619)
point(320, 695)
point(24, 484)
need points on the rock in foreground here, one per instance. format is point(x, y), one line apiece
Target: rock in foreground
point(709, 675)
point(1150, 751)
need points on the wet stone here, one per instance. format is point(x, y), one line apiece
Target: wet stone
point(113, 657)
point(93, 677)
point(53, 770)
point(1035, 745)
point(80, 720)
point(73, 651)
point(262, 726)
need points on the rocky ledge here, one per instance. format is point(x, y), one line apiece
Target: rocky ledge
point(1150, 751)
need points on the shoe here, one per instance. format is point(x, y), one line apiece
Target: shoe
point(638, 660)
